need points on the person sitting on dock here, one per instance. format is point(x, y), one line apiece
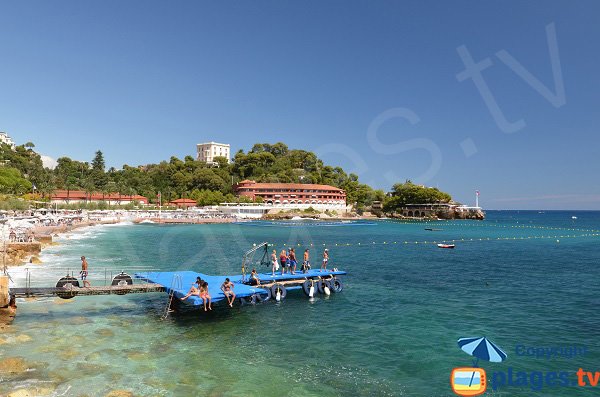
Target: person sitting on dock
point(325, 259)
point(306, 261)
point(254, 279)
point(205, 296)
point(293, 262)
point(227, 288)
point(195, 288)
point(283, 258)
point(274, 264)
point(84, 272)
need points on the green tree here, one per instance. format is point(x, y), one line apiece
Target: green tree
point(98, 164)
point(12, 182)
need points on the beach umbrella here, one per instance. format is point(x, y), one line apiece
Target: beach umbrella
point(482, 349)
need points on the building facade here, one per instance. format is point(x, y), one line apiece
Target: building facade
point(208, 151)
point(183, 203)
point(294, 195)
point(79, 196)
point(4, 138)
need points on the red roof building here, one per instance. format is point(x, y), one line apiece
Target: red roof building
point(79, 196)
point(292, 193)
point(183, 203)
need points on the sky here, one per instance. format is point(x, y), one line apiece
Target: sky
point(496, 96)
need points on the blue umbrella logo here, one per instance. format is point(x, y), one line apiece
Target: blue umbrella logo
point(482, 349)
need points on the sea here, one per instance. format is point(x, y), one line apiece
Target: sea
point(527, 281)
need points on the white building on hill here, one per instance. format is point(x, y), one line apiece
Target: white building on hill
point(208, 151)
point(4, 138)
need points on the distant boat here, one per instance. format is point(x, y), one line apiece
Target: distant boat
point(297, 218)
point(446, 246)
point(432, 229)
point(147, 221)
point(573, 217)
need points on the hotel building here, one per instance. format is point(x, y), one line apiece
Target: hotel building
point(208, 151)
point(79, 196)
point(4, 138)
point(294, 195)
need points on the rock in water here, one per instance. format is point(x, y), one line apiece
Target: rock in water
point(13, 366)
point(120, 393)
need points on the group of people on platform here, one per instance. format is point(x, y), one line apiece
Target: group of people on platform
point(200, 288)
point(289, 262)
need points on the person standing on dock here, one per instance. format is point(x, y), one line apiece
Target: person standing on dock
point(84, 272)
point(283, 259)
point(293, 261)
point(274, 264)
point(325, 259)
point(227, 288)
point(306, 261)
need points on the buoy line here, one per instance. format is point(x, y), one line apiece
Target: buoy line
point(413, 242)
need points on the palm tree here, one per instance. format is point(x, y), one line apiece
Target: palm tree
point(89, 187)
point(70, 184)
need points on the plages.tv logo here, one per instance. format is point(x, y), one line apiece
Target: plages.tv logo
point(472, 381)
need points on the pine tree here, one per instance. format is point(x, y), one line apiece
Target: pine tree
point(98, 162)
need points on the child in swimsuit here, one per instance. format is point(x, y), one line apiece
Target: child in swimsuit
point(205, 296)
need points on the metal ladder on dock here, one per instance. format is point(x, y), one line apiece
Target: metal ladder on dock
point(175, 284)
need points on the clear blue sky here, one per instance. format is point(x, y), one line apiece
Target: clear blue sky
point(144, 80)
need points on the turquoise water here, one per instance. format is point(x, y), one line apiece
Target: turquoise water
point(391, 332)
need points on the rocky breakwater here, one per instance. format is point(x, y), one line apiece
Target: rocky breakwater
point(20, 253)
point(461, 213)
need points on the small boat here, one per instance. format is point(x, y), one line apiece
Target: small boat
point(432, 229)
point(446, 245)
point(573, 217)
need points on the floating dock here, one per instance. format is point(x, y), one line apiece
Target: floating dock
point(177, 284)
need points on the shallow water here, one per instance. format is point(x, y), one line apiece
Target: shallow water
point(391, 332)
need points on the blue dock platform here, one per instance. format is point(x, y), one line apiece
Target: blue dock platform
point(179, 283)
